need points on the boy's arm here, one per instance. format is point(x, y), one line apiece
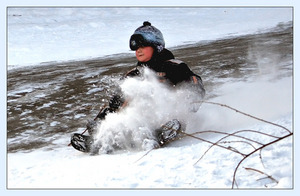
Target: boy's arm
point(179, 73)
point(182, 76)
point(197, 85)
point(132, 73)
point(117, 101)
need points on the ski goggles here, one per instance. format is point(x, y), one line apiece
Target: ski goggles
point(137, 41)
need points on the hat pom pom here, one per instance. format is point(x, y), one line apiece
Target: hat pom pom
point(146, 23)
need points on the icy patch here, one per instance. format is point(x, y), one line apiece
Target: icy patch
point(54, 123)
point(94, 90)
point(25, 89)
point(25, 112)
point(46, 105)
point(77, 116)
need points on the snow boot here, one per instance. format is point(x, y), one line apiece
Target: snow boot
point(168, 132)
point(81, 142)
point(85, 143)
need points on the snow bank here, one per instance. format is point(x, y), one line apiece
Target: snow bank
point(39, 35)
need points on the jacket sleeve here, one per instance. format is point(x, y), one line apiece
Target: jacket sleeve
point(178, 73)
point(196, 92)
point(132, 73)
point(197, 85)
point(117, 101)
point(181, 76)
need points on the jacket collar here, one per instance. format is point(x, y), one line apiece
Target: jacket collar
point(157, 60)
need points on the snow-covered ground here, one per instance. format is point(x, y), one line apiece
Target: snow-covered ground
point(40, 35)
point(48, 34)
point(172, 167)
point(177, 165)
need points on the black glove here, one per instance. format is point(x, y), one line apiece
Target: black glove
point(115, 103)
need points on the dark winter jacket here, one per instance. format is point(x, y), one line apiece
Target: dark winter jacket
point(169, 70)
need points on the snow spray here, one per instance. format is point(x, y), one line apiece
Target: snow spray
point(267, 94)
point(151, 104)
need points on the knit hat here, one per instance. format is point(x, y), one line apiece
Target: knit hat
point(147, 35)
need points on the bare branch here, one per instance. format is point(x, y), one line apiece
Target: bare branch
point(254, 143)
point(144, 155)
point(236, 110)
point(214, 144)
point(232, 134)
point(268, 176)
point(248, 155)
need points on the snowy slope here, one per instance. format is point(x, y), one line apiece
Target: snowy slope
point(171, 167)
point(69, 34)
point(177, 165)
point(39, 35)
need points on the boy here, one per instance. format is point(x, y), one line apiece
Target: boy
point(149, 46)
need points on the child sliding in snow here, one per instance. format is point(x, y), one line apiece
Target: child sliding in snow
point(149, 46)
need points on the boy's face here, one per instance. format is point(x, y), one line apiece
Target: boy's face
point(144, 54)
